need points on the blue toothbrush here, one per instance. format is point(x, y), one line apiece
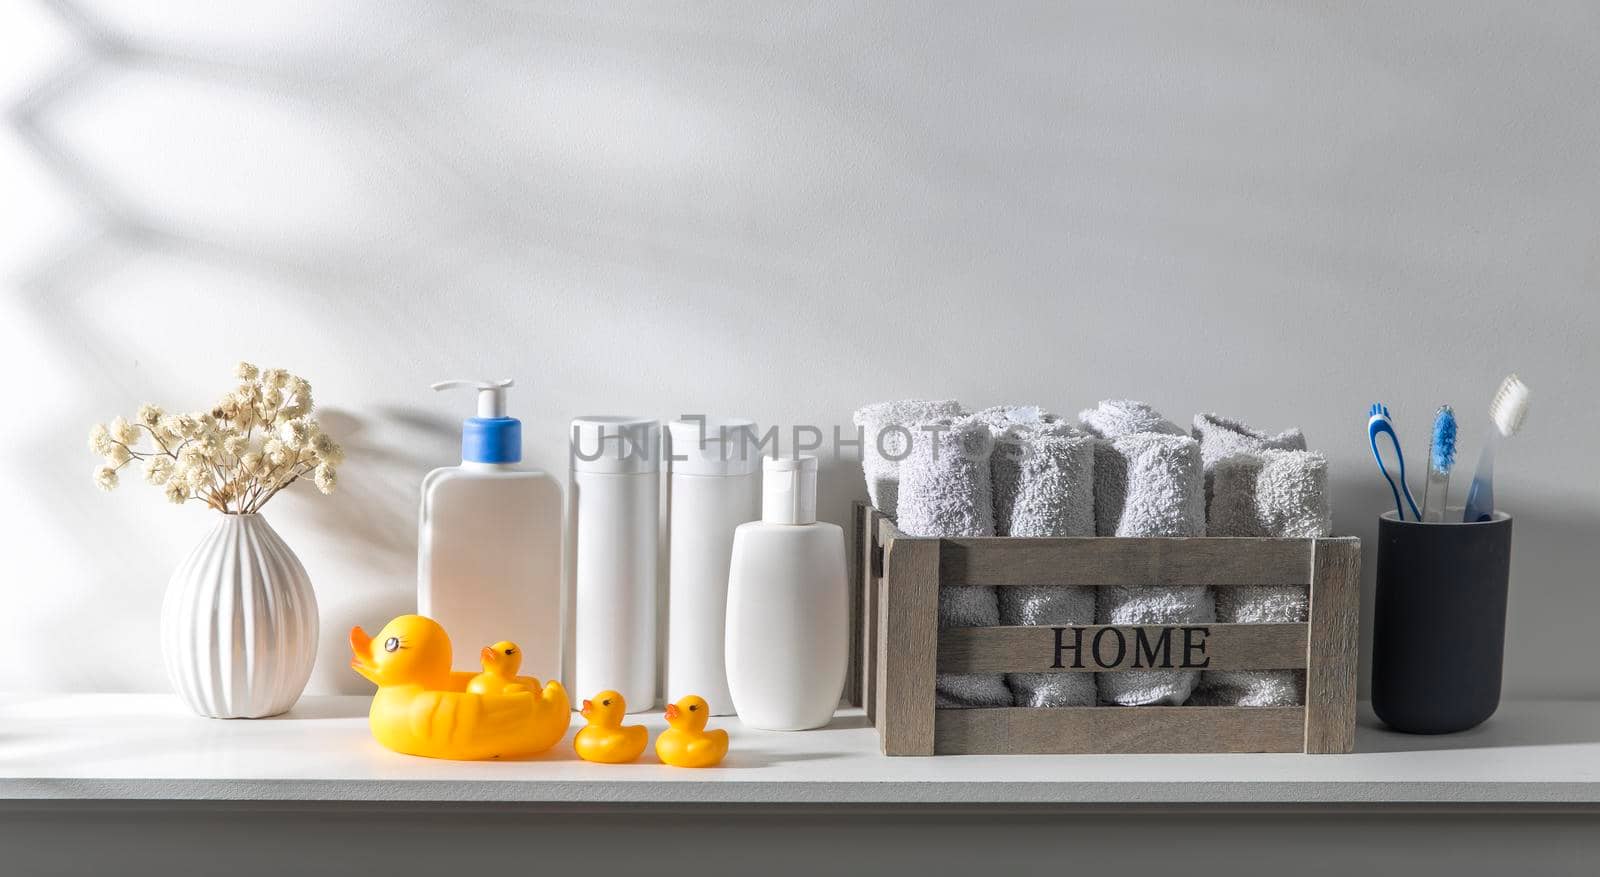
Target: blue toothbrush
point(1379, 424)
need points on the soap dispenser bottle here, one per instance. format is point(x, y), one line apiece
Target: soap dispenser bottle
point(787, 638)
point(489, 542)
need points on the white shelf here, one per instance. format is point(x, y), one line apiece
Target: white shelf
point(148, 747)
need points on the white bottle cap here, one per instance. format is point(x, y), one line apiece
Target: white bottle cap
point(491, 394)
point(713, 446)
point(789, 490)
point(614, 445)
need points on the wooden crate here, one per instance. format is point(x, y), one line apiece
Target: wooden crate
point(900, 646)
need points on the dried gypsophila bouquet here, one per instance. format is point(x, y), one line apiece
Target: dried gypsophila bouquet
point(258, 440)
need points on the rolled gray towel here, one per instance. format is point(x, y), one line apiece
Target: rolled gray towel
point(1150, 484)
point(1015, 447)
point(1050, 492)
point(1223, 437)
point(882, 472)
point(1001, 416)
point(946, 491)
point(1116, 417)
point(1274, 493)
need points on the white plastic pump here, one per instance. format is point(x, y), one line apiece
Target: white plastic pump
point(491, 394)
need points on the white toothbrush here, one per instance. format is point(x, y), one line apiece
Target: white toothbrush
point(1507, 411)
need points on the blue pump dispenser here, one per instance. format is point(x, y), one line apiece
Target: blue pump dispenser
point(491, 437)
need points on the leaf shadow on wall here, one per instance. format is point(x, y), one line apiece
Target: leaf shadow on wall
point(372, 520)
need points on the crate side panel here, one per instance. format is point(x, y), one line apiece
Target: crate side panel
point(1334, 647)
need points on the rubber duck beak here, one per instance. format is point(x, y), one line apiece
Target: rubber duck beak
point(361, 659)
point(672, 711)
point(486, 654)
point(587, 706)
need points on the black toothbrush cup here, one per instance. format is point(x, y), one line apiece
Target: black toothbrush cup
point(1439, 622)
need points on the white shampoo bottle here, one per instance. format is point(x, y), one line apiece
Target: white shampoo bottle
point(715, 485)
point(489, 543)
point(787, 638)
point(614, 508)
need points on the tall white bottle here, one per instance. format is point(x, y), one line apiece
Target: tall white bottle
point(614, 508)
point(489, 543)
point(715, 486)
point(787, 640)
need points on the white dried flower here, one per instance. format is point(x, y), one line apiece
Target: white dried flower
point(234, 445)
point(244, 371)
point(105, 478)
point(253, 463)
point(100, 439)
point(196, 477)
point(294, 433)
point(157, 470)
point(275, 378)
point(247, 394)
point(191, 457)
point(299, 391)
point(176, 491)
point(150, 415)
point(116, 455)
point(272, 398)
point(208, 444)
point(275, 452)
point(181, 425)
point(123, 431)
point(326, 478)
point(328, 450)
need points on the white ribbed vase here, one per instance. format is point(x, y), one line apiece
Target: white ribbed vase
point(239, 624)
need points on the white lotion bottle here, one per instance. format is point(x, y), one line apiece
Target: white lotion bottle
point(788, 613)
point(714, 486)
point(614, 509)
point(489, 543)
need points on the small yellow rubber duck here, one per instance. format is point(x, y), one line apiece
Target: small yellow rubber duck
point(501, 662)
point(423, 708)
point(605, 739)
point(687, 743)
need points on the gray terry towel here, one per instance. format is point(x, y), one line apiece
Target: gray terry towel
point(1150, 484)
point(1048, 491)
point(1223, 437)
point(1267, 493)
point(1001, 416)
point(946, 491)
point(883, 472)
point(1113, 417)
point(1015, 445)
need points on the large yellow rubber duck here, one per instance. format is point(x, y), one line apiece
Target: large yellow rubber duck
point(687, 743)
point(501, 662)
point(605, 739)
point(422, 708)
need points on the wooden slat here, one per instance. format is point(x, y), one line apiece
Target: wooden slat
point(1033, 649)
point(1125, 561)
point(1333, 646)
point(870, 585)
point(856, 583)
point(909, 639)
point(1099, 730)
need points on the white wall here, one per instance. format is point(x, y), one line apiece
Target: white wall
point(782, 210)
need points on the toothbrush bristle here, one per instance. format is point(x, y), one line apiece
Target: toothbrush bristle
point(1442, 454)
point(1509, 408)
